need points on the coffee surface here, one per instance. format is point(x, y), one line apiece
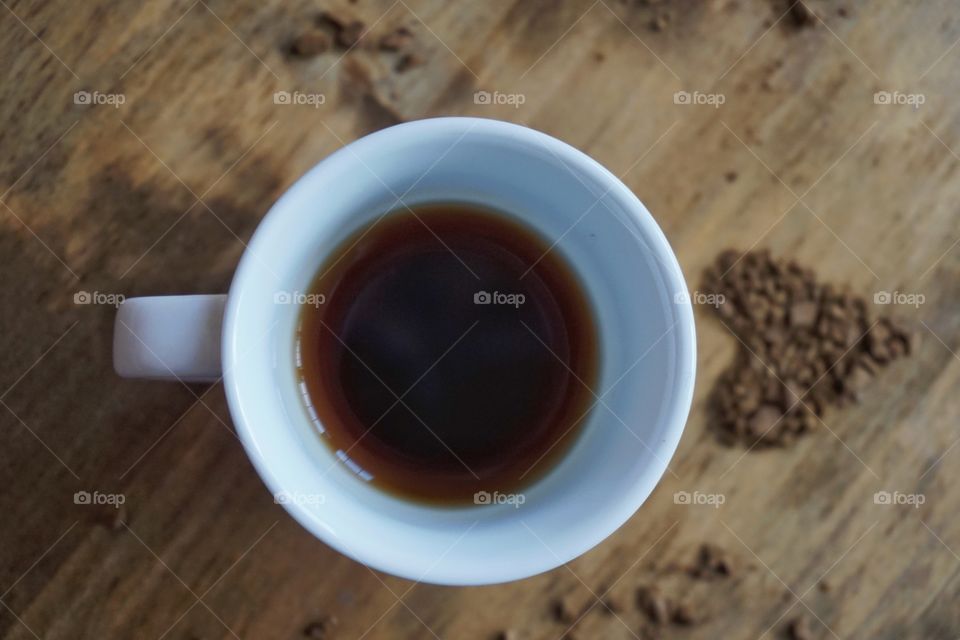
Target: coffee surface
point(454, 353)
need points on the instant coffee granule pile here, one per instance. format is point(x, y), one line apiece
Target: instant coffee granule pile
point(804, 346)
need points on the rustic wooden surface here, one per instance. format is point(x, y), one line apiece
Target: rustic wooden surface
point(158, 195)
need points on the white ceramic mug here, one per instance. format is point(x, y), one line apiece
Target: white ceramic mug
point(639, 298)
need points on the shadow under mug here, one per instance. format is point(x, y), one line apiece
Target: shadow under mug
point(647, 348)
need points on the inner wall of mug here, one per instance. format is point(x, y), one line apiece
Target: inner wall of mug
point(626, 441)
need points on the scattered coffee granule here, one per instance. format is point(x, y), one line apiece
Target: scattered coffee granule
point(309, 44)
point(653, 603)
point(564, 610)
point(683, 615)
point(661, 610)
point(611, 600)
point(375, 110)
point(801, 15)
point(321, 629)
point(612, 603)
point(804, 346)
point(329, 19)
point(408, 61)
point(508, 634)
point(799, 629)
point(660, 22)
point(347, 33)
point(351, 34)
point(730, 176)
point(396, 40)
point(712, 562)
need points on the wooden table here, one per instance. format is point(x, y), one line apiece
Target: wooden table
point(153, 184)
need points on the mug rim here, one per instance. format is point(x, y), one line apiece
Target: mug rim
point(676, 410)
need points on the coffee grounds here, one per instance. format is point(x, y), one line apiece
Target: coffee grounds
point(321, 629)
point(800, 14)
point(654, 604)
point(683, 615)
point(612, 603)
point(660, 22)
point(712, 562)
point(346, 32)
point(398, 39)
point(350, 34)
point(660, 609)
point(799, 629)
point(804, 346)
point(408, 61)
point(310, 43)
point(565, 610)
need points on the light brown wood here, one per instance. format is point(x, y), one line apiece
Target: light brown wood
point(97, 198)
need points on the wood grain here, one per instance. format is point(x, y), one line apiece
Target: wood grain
point(159, 195)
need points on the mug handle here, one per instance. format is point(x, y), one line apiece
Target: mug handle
point(169, 338)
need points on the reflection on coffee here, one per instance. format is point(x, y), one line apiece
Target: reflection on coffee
point(454, 354)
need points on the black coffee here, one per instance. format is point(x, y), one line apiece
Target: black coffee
point(455, 353)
